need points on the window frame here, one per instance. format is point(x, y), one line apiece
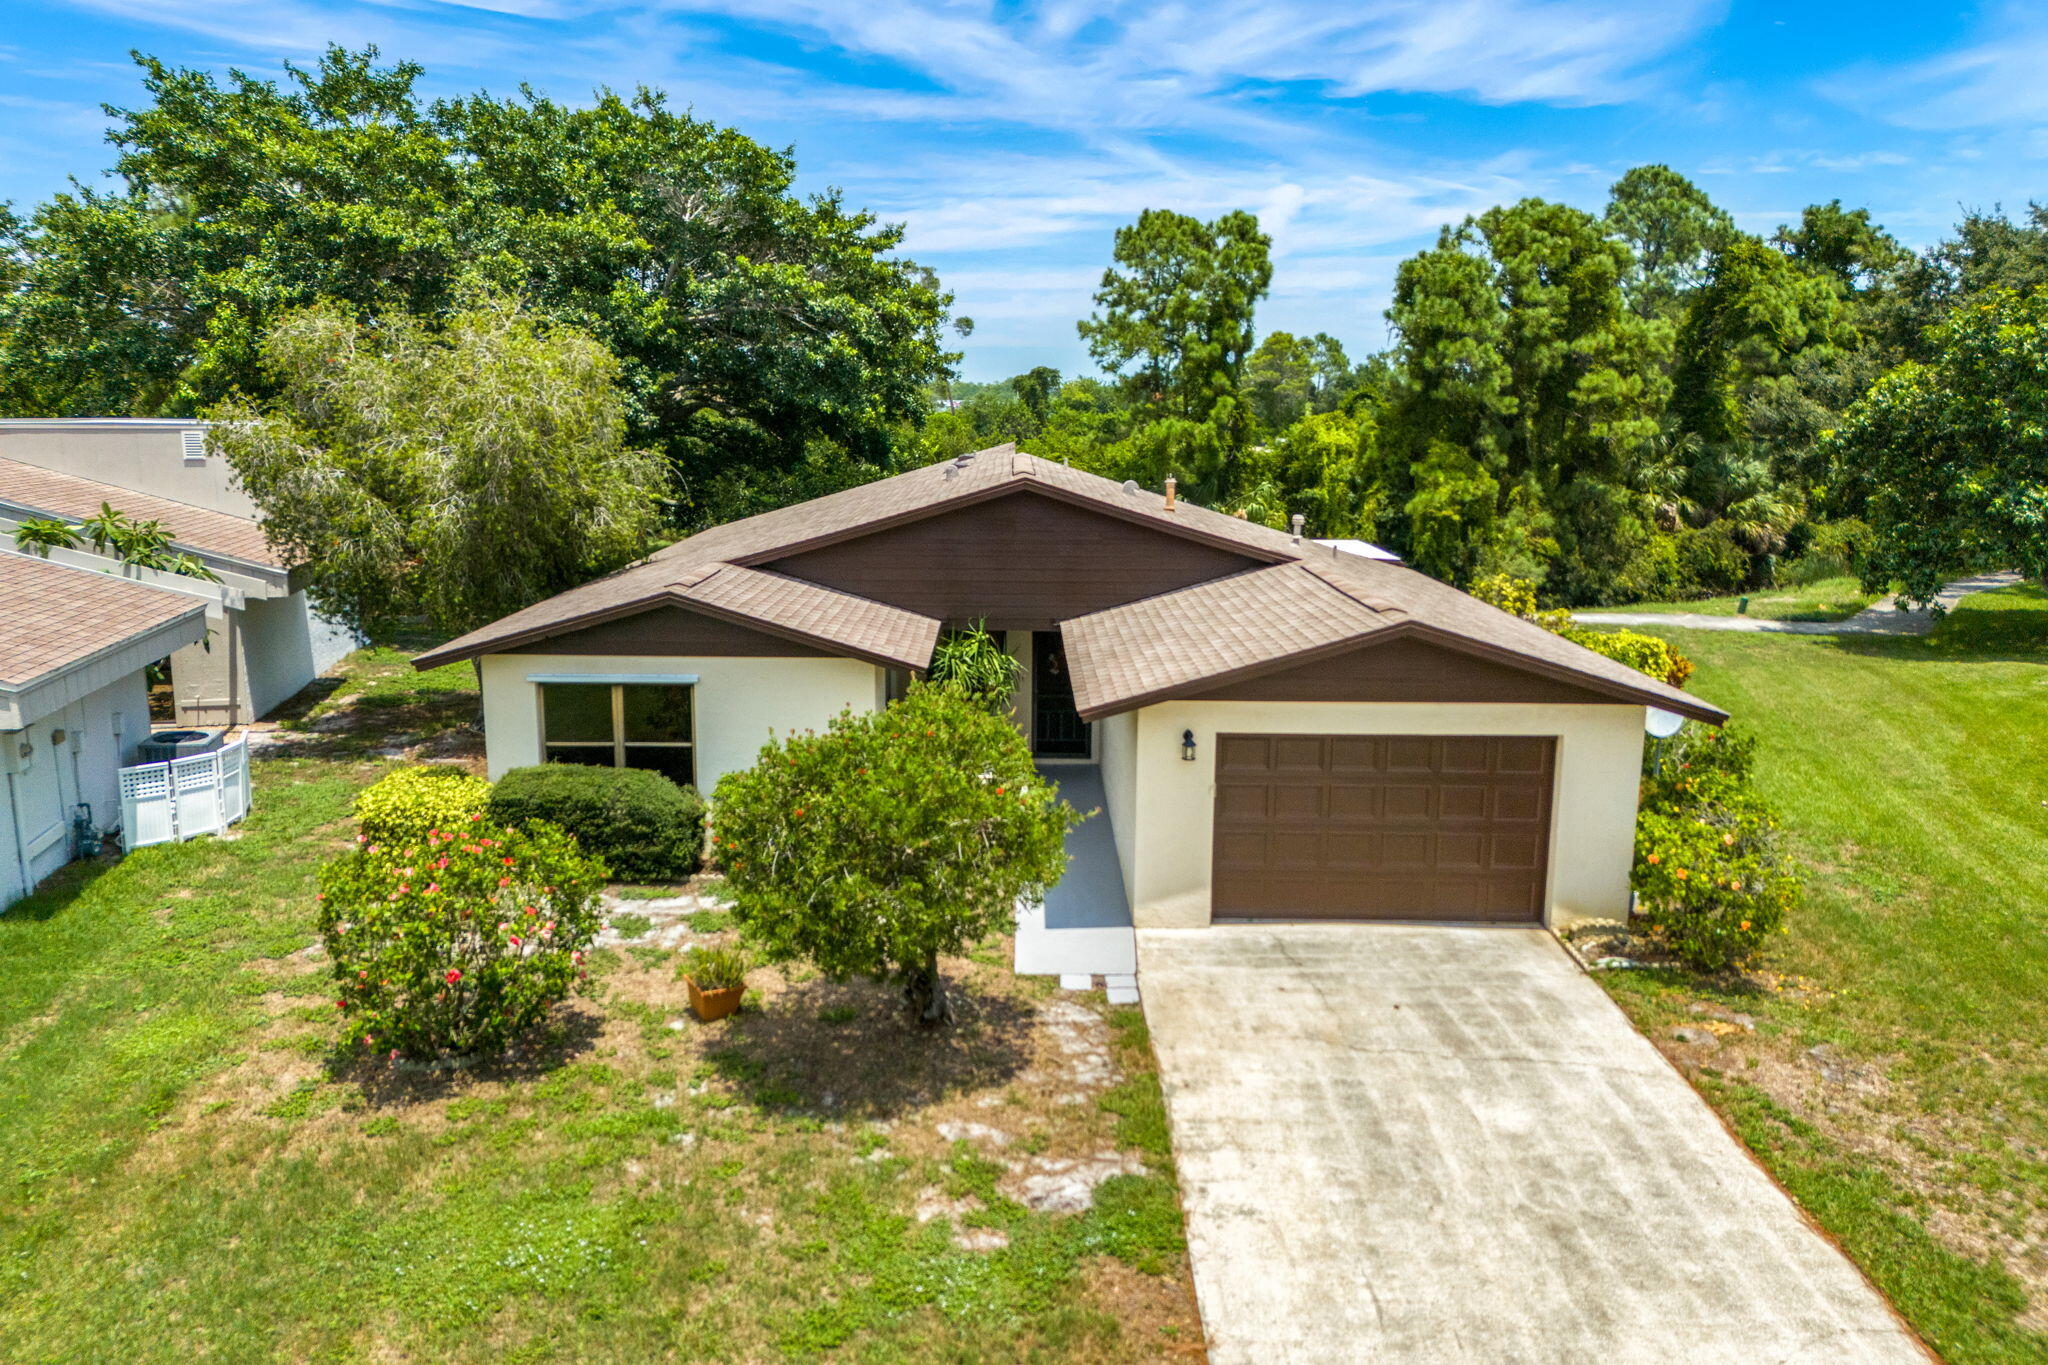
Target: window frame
point(619, 743)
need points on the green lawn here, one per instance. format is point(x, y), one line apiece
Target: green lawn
point(187, 1172)
point(1826, 599)
point(1912, 775)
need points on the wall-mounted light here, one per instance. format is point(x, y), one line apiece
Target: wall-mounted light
point(1187, 745)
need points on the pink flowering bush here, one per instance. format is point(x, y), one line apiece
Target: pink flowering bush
point(459, 942)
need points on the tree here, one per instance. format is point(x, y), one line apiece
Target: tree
point(1954, 450)
point(1035, 389)
point(1842, 244)
point(1527, 391)
point(457, 474)
point(751, 325)
point(893, 838)
point(1673, 229)
point(1289, 377)
point(1175, 325)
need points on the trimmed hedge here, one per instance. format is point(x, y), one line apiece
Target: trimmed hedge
point(406, 805)
point(645, 827)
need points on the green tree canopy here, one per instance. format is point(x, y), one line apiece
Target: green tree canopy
point(1288, 377)
point(749, 323)
point(1954, 450)
point(1526, 390)
point(1174, 324)
point(1673, 228)
point(457, 474)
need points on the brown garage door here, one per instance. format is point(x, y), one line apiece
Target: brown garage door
point(1421, 827)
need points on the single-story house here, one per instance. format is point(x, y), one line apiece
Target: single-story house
point(1281, 729)
point(74, 701)
point(264, 642)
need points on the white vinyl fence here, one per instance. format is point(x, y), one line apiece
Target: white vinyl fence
point(200, 794)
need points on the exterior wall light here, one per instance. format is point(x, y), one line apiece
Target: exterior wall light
point(1187, 745)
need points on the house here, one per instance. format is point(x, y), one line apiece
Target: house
point(1280, 729)
point(75, 645)
point(264, 642)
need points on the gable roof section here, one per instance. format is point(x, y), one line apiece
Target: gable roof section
point(1309, 599)
point(788, 607)
point(50, 492)
point(58, 616)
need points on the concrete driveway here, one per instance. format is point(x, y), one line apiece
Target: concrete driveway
point(1427, 1144)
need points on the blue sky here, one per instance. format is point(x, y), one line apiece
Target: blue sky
point(1014, 138)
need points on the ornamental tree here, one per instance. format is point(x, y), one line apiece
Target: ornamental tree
point(890, 839)
point(1954, 451)
point(459, 942)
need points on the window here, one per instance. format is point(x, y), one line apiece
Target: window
point(621, 725)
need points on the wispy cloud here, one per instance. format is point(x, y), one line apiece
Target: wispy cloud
point(1993, 82)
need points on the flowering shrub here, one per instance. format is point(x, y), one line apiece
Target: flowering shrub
point(1644, 653)
point(892, 838)
point(1710, 880)
point(402, 806)
point(458, 942)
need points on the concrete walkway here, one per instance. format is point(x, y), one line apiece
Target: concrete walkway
point(1427, 1144)
point(1879, 618)
point(1083, 927)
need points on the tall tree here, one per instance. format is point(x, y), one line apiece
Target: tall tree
point(1174, 323)
point(751, 324)
point(457, 474)
point(1035, 388)
point(1289, 377)
point(1673, 228)
point(1527, 390)
point(1954, 451)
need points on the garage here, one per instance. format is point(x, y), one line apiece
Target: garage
point(1382, 827)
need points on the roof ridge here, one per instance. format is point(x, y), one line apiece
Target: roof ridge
point(1322, 574)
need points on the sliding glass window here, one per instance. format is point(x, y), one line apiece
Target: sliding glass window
point(621, 725)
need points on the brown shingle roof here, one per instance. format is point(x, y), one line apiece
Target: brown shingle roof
point(874, 630)
point(57, 615)
point(1315, 597)
point(57, 494)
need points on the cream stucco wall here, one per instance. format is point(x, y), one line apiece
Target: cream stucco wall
point(1116, 749)
point(1592, 837)
point(738, 701)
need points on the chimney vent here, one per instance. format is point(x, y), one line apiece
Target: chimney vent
point(1169, 492)
point(1296, 521)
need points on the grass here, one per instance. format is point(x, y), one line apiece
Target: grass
point(186, 1170)
point(1897, 1081)
point(1826, 599)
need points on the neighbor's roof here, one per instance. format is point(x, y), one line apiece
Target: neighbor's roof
point(1304, 599)
point(53, 616)
point(48, 492)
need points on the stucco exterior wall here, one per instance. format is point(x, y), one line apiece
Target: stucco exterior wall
point(147, 455)
point(738, 701)
point(39, 793)
point(1592, 836)
point(1116, 750)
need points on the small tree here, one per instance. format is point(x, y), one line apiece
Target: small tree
point(888, 840)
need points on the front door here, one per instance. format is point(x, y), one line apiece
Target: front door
point(1057, 730)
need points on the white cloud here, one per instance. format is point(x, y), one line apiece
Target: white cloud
point(1995, 82)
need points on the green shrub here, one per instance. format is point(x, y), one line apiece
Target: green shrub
point(1828, 549)
point(1712, 563)
point(890, 839)
point(644, 826)
point(459, 942)
point(716, 968)
point(1711, 882)
point(1644, 653)
point(972, 662)
point(404, 806)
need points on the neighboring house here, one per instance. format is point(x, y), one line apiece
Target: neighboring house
point(74, 701)
point(1282, 729)
point(263, 642)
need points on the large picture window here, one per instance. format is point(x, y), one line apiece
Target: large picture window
point(621, 725)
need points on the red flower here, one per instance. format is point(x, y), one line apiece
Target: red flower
point(504, 881)
point(453, 976)
point(507, 862)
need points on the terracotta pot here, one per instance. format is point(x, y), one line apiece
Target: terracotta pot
point(709, 1005)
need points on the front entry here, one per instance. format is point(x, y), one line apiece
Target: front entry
point(1057, 730)
point(1401, 827)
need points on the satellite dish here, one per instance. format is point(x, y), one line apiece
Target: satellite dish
point(1662, 724)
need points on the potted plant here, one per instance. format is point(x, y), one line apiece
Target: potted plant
point(717, 980)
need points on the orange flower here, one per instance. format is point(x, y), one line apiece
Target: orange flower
point(1654, 858)
point(1679, 873)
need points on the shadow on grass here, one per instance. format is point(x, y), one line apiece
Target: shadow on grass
point(2009, 625)
point(567, 1036)
point(59, 891)
point(849, 1050)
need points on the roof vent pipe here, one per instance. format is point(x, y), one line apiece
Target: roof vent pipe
point(1296, 521)
point(1169, 492)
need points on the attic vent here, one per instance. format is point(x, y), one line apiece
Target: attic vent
point(194, 443)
